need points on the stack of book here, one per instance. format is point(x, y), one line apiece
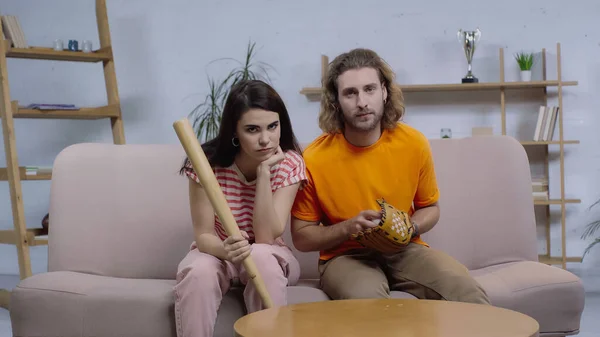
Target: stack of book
point(546, 123)
point(37, 170)
point(540, 189)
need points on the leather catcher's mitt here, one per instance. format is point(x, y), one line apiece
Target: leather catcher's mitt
point(393, 232)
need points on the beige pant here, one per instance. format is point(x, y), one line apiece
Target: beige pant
point(423, 272)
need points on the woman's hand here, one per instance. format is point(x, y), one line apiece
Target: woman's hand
point(237, 247)
point(277, 157)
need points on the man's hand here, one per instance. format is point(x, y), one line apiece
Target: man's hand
point(364, 220)
point(237, 247)
point(309, 236)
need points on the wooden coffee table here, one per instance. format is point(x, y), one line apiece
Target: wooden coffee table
point(386, 317)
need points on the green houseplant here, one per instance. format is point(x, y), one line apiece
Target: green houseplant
point(525, 62)
point(590, 230)
point(206, 116)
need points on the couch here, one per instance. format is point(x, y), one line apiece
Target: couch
point(120, 224)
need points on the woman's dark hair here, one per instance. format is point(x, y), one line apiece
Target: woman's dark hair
point(243, 96)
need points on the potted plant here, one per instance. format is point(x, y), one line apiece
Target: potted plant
point(590, 229)
point(206, 116)
point(525, 61)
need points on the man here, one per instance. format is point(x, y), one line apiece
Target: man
point(365, 154)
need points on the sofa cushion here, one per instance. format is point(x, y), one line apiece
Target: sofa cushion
point(73, 304)
point(105, 306)
point(306, 291)
point(552, 296)
point(70, 303)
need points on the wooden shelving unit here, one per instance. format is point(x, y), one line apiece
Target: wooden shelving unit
point(21, 236)
point(314, 94)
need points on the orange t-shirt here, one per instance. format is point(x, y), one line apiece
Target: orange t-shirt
point(345, 180)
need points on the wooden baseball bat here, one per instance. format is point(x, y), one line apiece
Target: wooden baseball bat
point(201, 166)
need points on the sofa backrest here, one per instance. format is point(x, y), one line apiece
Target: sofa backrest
point(119, 210)
point(487, 212)
point(123, 210)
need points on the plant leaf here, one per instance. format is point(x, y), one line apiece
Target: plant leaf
point(591, 228)
point(594, 204)
point(589, 248)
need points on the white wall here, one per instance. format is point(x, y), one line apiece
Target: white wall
point(162, 49)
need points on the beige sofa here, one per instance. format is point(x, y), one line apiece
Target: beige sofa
point(120, 224)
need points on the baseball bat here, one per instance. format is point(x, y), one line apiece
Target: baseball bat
point(201, 166)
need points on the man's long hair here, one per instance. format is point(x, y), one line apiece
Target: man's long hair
point(330, 117)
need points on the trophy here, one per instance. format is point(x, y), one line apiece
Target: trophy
point(468, 39)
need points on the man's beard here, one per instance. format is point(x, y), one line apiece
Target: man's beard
point(354, 123)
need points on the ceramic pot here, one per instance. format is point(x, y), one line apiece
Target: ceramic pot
point(525, 75)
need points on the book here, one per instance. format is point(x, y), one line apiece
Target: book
point(40, 106)
point(546, 123)
point(540, 120)
point(539, 185)
point(13, 31)
point(35, 170)
point(553, 118)
point(8, 31)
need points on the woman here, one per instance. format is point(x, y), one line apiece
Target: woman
point(258, 164)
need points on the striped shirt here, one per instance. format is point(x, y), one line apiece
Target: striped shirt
point(240, 193)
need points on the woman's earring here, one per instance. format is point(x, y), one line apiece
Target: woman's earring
point(233, 141)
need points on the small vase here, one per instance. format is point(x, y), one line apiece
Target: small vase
point(525, 75)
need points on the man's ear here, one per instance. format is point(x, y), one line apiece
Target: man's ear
point(384, 91)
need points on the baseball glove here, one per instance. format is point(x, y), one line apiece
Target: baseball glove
point(393, 232)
